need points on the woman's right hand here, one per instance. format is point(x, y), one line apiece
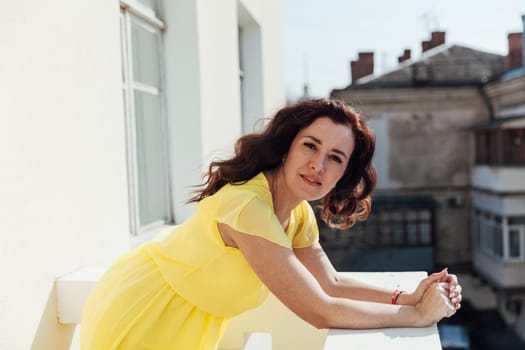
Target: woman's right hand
point(435, 304)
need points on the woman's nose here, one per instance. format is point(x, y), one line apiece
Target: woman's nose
point(317, 164)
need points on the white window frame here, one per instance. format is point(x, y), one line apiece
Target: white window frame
point(482, 228)
point(132, 10)
point(521, 244)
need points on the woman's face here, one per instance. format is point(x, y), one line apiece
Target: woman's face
point(317, 158)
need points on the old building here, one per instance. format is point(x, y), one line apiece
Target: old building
point(421, 112)
point(450, 129)
point(498, 192)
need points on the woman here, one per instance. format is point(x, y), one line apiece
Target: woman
point(254, 232)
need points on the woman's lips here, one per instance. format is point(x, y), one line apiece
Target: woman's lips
point(311, 180)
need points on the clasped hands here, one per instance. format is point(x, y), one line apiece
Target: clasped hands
point(437, 296)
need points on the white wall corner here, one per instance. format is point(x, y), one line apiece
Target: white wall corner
point(72, 292)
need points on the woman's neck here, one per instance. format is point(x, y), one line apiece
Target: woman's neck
point(283, 201)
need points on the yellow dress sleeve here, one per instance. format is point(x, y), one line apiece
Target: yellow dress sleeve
point(307, 232)
point(245, 212)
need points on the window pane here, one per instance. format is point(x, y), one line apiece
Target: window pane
point(477, 228)
point(494, 148)
point(145, 46)
point(514, 243)
point(386, 232)
point(151, 159)
point(384, 217)
point(370, 236)
point(425, 233)
point(151, 4)
point(397, 215)
point(397, 234)
point(424, 215)
point(513, 148)
point(497, 240)
point(412, 233)
point(123, 47)
point(516, 220)
point(411, 215)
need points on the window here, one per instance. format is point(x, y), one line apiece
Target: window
point(500, 146)
point(490, 235)
point(514, 146)
point(491, 231)
point(250, 69)
point(143, 92)
point(388, 227)
point(516, 241)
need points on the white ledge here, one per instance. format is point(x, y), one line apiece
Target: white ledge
point(386, 338)
point(73, 290)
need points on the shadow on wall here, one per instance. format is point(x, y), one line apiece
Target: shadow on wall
point(50, 334)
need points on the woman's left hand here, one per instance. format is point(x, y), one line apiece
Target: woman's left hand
point(451, 280)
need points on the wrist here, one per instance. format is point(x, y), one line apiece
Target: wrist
point(406, 298)
point(420, 315)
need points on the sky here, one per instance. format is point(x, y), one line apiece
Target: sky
point(321, 37)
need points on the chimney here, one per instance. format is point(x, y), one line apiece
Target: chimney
point(405, 56)
point(523, 41)
point(515, 54)
point(436, 39)
point(363, 66)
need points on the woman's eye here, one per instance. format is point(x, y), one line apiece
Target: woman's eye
point(309, 145)
point(336, 159)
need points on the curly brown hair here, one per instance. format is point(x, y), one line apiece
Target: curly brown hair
point(347, 202)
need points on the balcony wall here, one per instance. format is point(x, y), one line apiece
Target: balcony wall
point(287, 330)
point(290, 332)
point(498, 179)
point(501, 274)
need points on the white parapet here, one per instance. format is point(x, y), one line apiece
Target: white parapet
point(258, 341)
point(386, 338)
point(72, 291)
point(74, 288)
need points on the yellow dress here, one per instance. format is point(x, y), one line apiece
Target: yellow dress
point(178, 292)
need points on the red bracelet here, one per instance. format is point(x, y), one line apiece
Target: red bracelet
point(395, 295)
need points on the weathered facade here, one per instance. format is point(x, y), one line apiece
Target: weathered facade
point(450, 130)
point(421, 114)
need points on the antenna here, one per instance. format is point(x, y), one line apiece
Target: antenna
point(430, 21)
point(306, 93)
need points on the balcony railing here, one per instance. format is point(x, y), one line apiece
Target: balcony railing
point(273, 326)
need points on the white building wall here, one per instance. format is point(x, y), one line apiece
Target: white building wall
point(204, 82)
point(63, 184)
point(63, 181)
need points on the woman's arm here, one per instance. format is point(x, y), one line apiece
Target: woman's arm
point(340, 285)
point(291, 282)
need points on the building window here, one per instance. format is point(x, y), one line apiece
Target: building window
point(516, 241)
point(491, 231)
point(250, 70)
point(500, 146)
point(514, 146)
point(143, 92)
point(386, 227)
